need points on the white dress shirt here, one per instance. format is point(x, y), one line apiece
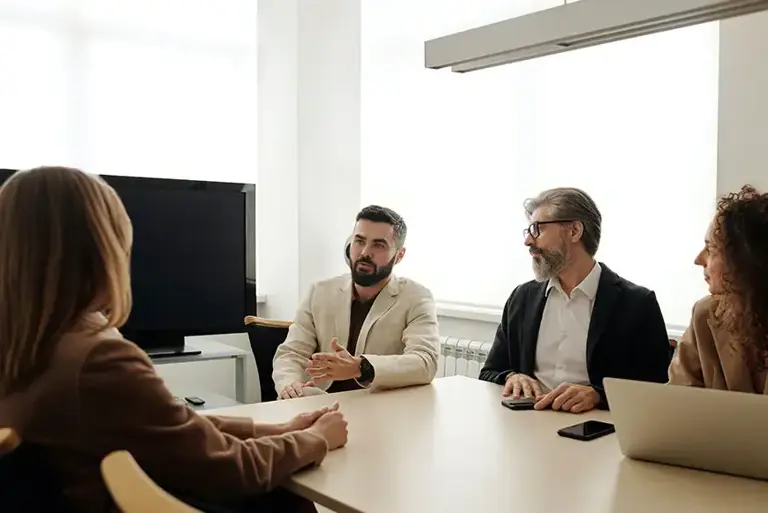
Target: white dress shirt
point(561, 350)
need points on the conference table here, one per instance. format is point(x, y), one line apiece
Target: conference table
point(451, 447)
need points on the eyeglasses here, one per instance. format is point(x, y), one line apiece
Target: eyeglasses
point(534, 230)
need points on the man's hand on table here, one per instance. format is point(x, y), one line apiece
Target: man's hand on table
point(292, 391)
point(564, 397)
point(521, 385)
point(571, 398)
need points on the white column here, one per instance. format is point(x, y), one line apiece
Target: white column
point(309, 144)
point(329, 134)
point(277, 224)
point(743, 113)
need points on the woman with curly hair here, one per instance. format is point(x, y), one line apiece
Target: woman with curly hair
point(726, 345)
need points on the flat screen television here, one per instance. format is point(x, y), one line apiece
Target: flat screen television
point(193, 263)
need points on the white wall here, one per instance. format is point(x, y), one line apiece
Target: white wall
point(309, 149)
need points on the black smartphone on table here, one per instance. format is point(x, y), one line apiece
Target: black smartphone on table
point(521, 403)
point(586, 431)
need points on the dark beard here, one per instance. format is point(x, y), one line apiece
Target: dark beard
point(369, 279)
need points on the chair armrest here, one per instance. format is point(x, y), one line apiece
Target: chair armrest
point(133, 491)
point(269, 323)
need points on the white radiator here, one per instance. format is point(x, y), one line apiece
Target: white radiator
point(461, 357)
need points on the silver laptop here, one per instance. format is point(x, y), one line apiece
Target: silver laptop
point(691, 427)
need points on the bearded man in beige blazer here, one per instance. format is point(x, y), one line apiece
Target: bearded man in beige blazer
point(366, 329)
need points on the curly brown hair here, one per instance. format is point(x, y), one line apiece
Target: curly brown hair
point(740, 234)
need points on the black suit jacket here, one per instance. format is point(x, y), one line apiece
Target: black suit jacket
point(627, 337)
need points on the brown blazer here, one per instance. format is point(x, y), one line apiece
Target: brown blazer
point(101, 393)
point(706, 357)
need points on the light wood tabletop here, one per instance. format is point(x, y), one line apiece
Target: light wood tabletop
point(451, 447)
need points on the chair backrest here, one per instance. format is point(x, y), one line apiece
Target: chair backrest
point(347, 248)
point(134, 491)
point(26, 484)
point(265, 336)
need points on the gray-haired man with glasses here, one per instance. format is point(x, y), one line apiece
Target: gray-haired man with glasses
point(578, 322)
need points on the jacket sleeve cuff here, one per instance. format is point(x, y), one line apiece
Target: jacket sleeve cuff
point(363, 384)
point(603, 403)
point(242, 428)
point(316, 446)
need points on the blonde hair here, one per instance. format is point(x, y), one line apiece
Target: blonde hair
point(65, 242)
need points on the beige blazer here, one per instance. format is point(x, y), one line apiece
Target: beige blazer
point(399, 337)
point(706, 357)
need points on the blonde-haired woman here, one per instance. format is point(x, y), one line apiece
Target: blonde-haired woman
point(75, 389)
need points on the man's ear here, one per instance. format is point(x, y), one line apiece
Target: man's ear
point(400, 255)
point(577, 231)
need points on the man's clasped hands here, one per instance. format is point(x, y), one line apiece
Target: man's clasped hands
point(564, 397)
point(338, 365)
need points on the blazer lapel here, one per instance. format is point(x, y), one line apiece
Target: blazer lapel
point(342, 317)
point(607, 293)
point(531, 325)
point(383, 302)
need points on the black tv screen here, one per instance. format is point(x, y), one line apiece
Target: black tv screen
point(193, 260)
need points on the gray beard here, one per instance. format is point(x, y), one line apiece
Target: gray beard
point(548, 265)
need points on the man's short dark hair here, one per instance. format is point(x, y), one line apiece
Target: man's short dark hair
point(377, 214)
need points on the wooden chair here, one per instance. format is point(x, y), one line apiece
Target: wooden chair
point(9, 441)
point(265, 335)
point(26, 485)
point(134, 491)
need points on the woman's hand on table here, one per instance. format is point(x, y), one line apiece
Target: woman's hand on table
point(308, 418)
point(332, 427)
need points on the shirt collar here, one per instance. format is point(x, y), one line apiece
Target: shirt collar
point(357, 299)
point(588, 285)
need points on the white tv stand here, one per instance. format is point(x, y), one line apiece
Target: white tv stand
point(211, 350)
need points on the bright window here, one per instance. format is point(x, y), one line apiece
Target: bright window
point(633, 123)
point(147, 87)
point(35, 94)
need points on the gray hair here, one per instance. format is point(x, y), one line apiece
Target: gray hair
point(570, 203)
